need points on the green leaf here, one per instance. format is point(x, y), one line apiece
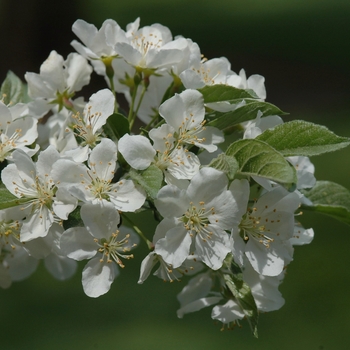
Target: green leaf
point(8, 200)
point(303, 138)
point(243, 296)
point(249, 111)
point(260, 159)
point(150, 179)
point(226, 164)
point(13, 90)
point(74, 219)
point(220, 92)
point(116, 126)
point(331, 199)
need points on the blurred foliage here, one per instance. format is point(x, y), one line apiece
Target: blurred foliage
point(301, 48)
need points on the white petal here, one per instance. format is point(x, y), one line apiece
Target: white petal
point(84, 31)
point(197, 305)
point(126, 196)
point(78, 244)
point(60, 267)
point(37, 224)
point(187, 107)
point(198, 190)
point(147, 265)
point(227, 313)
point(101, 220)
point(213, 250)
point(265, 261)
point(137, 151)
point(175, 247)
point(78, 71)
point(99, 108)
point(103, 159)
point(63, 203)
point(98, 277)
point(171, 201)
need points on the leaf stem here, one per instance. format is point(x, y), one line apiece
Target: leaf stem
point(139, 232)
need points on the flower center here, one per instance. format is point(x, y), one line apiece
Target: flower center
point(7, 144)
point(187, 133)
point(252, 227)
point(8, 231)
point(196, 220)
point(85, 127)
point(112, 249)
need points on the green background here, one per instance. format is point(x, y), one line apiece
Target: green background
point(302, 48)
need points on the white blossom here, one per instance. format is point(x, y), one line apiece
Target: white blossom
point(57, 82)
point(32, 183)
point(101, 242)
point(93, 183)
point(265, 230)
point(200, 215)
point(16, 132)
point(151, 47)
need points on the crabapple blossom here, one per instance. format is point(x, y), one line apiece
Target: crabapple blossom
point(99, 44)
point(57, 82)
point(196, 219)
point(95, 114)
point(93, 183)
point(264, 231)
point(33, 184)
point(175, 162)
point(151, 47)
point(185, 114)
point(101, 242)
point(16, 132)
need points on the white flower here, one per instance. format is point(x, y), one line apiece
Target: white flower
point(185, 114)
point(175, 162)
point(100, 241)
point(32, 181)
point(264, 289)
point(15, 262)
point(15, 132)
point(99, 44)
point(228, 313)
point(15, 265)
point(94, 183)
point(165, 271)
point(265, 231)
point(305, 171)
point(151, 47)
point(257, 126)
point(57, 82)
point(206, 72)
point(255, 82)
point(197, 294)
point(200, 215)
point(95, 114)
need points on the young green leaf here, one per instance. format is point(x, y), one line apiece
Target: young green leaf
point(243, 296)
point(226, 164)
point(303, 138)
point(249, 111)
point(12, 90)
point(74, 219)
point(8, 200)
point(260, 159)
point(117, 125)
point(220, 92)
point(331, 199)
point(150, 179)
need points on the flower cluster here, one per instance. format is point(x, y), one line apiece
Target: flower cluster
point(73, 170)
